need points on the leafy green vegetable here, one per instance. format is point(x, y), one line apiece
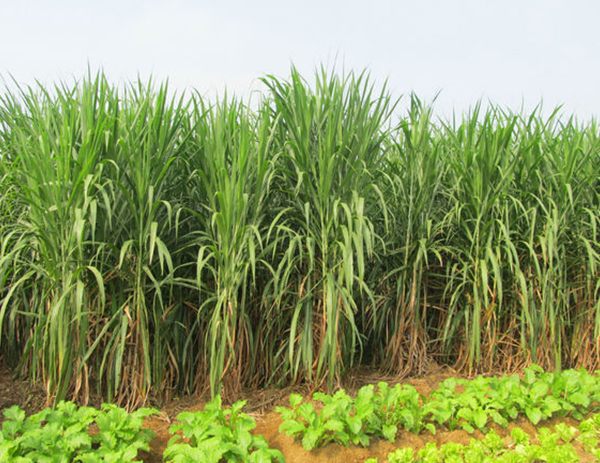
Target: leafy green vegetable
point(405, 455)
point(215, 433)
point(63, 435)
point(493, 449)
point(455, 404)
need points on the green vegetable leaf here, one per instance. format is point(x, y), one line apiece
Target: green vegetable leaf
point(311, 438)
point(354, 424)
point(579, 398)
point(295, 400)
point(335, 425)
point(390, 431)
point(534, 415)
point(538, 390)
point(480, 418)
point(292, 428)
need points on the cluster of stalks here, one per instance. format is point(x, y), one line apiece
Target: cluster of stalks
point(153, 244)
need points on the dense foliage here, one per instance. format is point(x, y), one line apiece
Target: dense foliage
point(551, 447)
point(65, 435)
point(214, 435)
point(455, 404)
point(152, 244)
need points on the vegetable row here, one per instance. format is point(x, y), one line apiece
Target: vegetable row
point(551, 447)
point(63, 435)
point(83, 434)
point(456, 404)
point(111, 435)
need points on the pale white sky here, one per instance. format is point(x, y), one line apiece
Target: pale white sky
point(509, 51)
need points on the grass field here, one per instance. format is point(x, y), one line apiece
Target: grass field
point(154, 245)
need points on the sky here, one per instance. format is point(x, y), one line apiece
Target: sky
point(514, 53)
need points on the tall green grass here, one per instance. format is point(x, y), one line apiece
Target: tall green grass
point(152, 244)
point(331, 144)
point(229, 174)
